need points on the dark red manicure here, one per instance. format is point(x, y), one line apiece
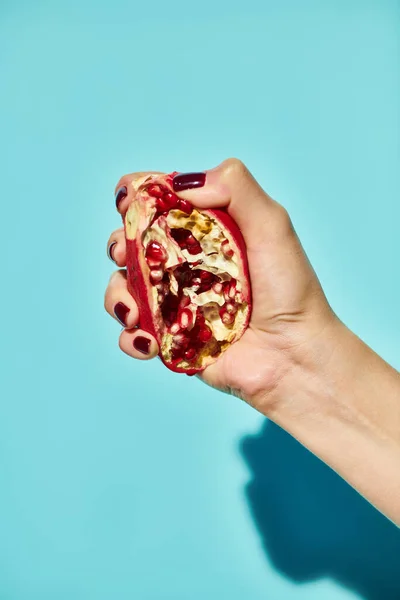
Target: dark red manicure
point(121, 312)
point(187, 181)
point(142, 344)
point(121, 194)
point(110, 251)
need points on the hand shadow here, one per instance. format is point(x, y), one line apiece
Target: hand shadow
point(313, 524)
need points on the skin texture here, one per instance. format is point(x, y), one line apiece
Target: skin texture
point(296, 363)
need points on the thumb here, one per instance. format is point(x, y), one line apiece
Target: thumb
point(231, 186)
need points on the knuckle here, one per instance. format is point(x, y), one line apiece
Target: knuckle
point(283, 218)
point(234, 167)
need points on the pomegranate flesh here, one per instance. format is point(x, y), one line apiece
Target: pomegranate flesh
point(187, 270)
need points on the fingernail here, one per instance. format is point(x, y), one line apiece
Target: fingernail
point(110, 251)
point(121, 312)
point(122, 193)
point(141, 344)
point(187, 181)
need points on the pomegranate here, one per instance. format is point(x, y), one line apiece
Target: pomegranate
point(187, 270)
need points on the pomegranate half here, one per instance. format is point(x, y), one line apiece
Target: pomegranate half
point(187, 270)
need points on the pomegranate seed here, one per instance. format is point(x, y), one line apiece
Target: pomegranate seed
point(205, 334)
point(153, 264)
point(171, 199)
point(180, 340)
point(225, 289)
point(155, 190)
point(175, 328)
point(190, 354)
point(226, 249)
point(186, 319)
point(156, 276)
point(156, 251)
point(191, 240)
point(176, 353)
point(217, 287)
point(180, 236)
point(206, 276)
point(185, 206)
point(229, 289)
point(161, 205)
point(231, 308)
point(226, 318)
point(194, 249)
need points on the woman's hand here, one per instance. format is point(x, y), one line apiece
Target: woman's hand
point(296, 363)
point(290, 311)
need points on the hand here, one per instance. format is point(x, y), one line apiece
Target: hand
point(289, 308)
point(296, 363)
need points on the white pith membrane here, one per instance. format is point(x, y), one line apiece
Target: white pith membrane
point(142, 217)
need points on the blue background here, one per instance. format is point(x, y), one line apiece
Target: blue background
point(119, 479)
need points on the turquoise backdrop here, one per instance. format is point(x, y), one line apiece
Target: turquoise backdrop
point(118, 479)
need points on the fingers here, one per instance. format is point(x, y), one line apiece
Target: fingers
point(231, 185)
point(119, 303)
point(121, 306)
point(116, 247)
point(138, 344)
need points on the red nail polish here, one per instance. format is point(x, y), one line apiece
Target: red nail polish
point(121, 311)
point(110, 251)
point(187, 181)
point(142, 344)
point(121, 194)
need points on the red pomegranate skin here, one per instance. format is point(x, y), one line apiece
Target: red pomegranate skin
point(141, 214)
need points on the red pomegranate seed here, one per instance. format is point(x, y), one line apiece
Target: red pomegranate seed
point(225, 289)
point(176, 353)
point(226, 249)
point(180, 236)
point(180, 340)
point(161, 205)
point(231, 308)
point(155, 190)
point(206, 276)
point(226, 318)
point(185, 206)
point(156, 251)
point(191, 240)
point(190, 353)
point(194, 249)
point(153, 264)
point(229, 289)
point(205, 334)
point(175, 328)
point(186, 319)
point(217, 287)
point(232, 289)
point(171, 199)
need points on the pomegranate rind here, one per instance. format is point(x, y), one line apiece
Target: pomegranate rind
point(137, 220)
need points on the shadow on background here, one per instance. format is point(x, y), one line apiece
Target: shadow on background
point(313, 524)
